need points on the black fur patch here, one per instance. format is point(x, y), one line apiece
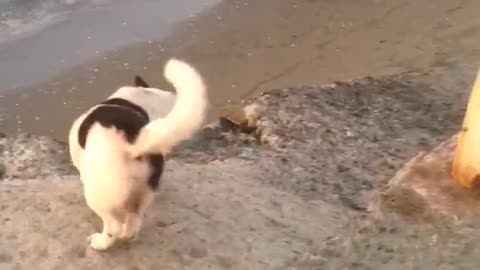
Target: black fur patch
point(121, 118)
point(156, 163)
point(125, 103)
point(140, 82)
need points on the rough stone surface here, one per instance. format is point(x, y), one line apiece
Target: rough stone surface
point(437, 217)
point(424, 187)
point(293, 195)
point(202, 217)
point(339, 142)
point(33, 157)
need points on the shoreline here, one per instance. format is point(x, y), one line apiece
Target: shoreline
point(295, 192)
point(34, 55)
point(239, 58)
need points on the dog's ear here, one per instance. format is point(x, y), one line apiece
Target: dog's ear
point(139, 82)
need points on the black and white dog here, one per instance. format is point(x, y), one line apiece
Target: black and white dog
point(119, 147)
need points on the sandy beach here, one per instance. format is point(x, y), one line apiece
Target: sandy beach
point(350, 90)
point(245, 47)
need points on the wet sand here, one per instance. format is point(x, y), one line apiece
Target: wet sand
point(244, 47)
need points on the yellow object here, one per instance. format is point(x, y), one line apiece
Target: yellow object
point(466, 160)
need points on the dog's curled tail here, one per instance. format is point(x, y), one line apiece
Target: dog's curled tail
point(186, 116)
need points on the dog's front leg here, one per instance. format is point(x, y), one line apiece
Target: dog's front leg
point(111, 230)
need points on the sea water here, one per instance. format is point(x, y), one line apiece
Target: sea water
point(39, 38)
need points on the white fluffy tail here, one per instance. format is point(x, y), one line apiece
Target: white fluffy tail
point(185, 118)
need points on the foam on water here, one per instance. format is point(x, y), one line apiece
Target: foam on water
point(22, 17)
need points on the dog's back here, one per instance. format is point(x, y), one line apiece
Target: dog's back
point(128, 109)
point(157, 103)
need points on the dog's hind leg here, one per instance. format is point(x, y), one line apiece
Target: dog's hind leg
point(134, 217)
point(111, 231)
point(133, 223)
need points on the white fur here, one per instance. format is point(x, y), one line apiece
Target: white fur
point(186, 117)
point(110, 175)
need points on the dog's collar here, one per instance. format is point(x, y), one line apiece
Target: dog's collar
point(123, 103)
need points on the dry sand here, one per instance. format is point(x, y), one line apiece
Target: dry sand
point(244, 47)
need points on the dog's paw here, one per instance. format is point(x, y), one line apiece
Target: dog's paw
point(128, 238)
point(100, 241)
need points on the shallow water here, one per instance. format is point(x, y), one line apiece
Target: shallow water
point(40, 38)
